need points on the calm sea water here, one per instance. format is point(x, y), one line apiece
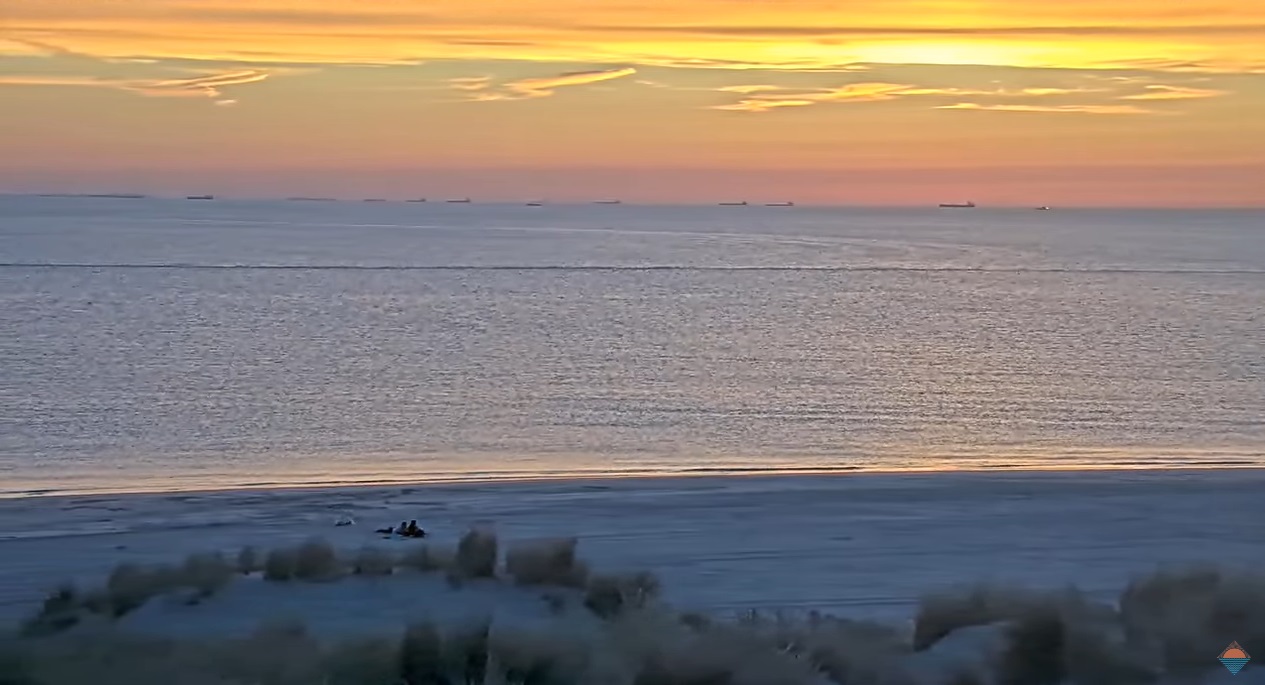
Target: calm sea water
point(156, 344)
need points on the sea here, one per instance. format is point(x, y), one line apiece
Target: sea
point(167, 344)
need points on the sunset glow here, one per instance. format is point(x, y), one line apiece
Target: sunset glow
point(1113, 102)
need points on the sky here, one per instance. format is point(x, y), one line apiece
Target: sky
point(891, 102)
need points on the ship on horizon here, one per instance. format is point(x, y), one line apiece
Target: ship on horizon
point(200, 197)
point(100, 196)
point(779, 204)
point(608, 202)
point(958, 205)
point(460, 201)
point(734, 204)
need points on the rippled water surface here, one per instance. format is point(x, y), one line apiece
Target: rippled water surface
point(159, 344)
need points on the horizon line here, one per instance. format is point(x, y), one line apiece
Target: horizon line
point(608, 201)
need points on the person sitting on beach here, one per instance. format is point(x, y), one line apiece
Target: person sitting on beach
point(408, 530)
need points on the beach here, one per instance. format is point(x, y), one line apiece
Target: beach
point(767, 556)
point(864, 545)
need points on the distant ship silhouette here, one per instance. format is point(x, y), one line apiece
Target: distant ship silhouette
point(110, 196)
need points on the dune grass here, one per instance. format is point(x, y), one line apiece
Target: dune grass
point(1166, 627)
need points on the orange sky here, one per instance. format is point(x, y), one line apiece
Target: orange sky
point(1092, 102)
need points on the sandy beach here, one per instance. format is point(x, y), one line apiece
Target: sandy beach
point(859, 545)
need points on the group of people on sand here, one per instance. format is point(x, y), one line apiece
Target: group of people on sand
point(409, 530)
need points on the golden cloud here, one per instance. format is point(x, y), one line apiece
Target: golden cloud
point(1211, 35)
point(762, 98)
point(747, 90)
point(470, 82)
point(208, 86)
point(1059, 109)
point(1042, 92)
point(1165, 92)
point(540, 87)
point(205, 86)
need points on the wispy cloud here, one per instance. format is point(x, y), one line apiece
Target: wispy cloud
point(199, 86)
point(206, 86)
point(1165, 92)
point(483, 90)
point(762, 105)
point(1043, 92)
point(754, 63)
point(747, 90)
point(763, 97)
point(470, 82)
point(1061, 109)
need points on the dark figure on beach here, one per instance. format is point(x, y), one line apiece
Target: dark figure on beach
point(408, 530)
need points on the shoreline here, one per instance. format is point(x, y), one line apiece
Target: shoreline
point(603, 477)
